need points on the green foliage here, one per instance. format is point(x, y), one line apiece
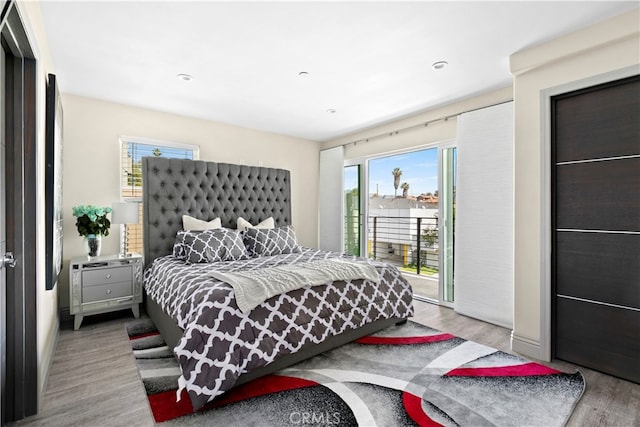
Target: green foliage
point(424, 270)
point(134, 178)
point(429, 236)
point(405, 189)
point(352, 222)
point(397, 173)
point(92, 220)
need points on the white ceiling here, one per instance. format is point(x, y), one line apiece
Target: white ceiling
point(370, 61)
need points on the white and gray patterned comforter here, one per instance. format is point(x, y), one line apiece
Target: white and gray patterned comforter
point(220, 342)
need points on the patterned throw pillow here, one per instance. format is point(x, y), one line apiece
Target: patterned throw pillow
point(213, 246)
point(192, 225)
point(276, 241)
point(178, 244)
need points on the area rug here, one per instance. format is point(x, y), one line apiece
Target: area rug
point(402, 376)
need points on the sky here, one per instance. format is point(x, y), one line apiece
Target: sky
point(419, 170)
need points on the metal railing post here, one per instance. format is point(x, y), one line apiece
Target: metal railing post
point(375, 237)
point(419, 222)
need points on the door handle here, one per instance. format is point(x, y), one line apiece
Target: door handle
point(7, 260)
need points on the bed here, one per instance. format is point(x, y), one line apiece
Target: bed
point(221, 342)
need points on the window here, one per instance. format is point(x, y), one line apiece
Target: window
point(352, 210)
point(132, 152)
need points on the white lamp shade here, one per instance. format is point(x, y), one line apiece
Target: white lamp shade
point(124, 213)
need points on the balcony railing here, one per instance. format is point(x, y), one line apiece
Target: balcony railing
point(407, 242)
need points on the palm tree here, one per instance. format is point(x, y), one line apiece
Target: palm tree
point(405, 189)
point(397, 173)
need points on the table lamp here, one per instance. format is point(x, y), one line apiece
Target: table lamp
point(124, 213)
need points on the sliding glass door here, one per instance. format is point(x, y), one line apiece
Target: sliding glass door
point(406, 214)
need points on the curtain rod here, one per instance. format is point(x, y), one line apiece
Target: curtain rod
point(419, 125)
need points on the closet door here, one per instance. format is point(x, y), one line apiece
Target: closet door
point(596, 227)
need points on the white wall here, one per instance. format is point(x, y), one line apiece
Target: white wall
point(582, 56)
point(47, 301)
point(92, 153)
point(420, 135)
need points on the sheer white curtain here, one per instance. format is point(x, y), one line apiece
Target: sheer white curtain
point(330, 215)
point(484, 215)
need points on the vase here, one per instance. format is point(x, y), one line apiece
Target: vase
point(93, 244)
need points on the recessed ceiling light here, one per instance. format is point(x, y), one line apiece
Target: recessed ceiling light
point(185, 77)
point(303, 73)
point(439, 65)
point(331, 110)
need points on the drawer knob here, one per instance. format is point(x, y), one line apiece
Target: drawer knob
point(108, 276)
point(108, 291)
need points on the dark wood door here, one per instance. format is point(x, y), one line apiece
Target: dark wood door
point(3, 250)
point(19, 393)
point(596, 227)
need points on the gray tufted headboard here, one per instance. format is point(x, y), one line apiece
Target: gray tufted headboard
point(207, 190)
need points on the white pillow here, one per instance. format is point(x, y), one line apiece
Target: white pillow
point(243, 224)
point(191, 223)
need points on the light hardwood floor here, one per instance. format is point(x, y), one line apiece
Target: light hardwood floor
point(94, 381)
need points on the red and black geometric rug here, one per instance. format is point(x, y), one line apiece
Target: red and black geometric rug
point(405, 375)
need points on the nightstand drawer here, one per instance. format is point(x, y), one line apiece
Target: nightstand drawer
point(110, 291)
point(103, 276)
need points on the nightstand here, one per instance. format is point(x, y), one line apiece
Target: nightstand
point(104, 283)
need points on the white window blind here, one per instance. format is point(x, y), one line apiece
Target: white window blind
point(132, 152)
point(484, 215)
point(331, 191)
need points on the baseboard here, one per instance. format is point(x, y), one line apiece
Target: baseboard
point(497, 322)
point(526, 346)
point(47, 360)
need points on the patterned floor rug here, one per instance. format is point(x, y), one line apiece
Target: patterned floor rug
point(405, 375)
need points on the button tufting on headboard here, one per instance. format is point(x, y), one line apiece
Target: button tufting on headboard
point(207, 190)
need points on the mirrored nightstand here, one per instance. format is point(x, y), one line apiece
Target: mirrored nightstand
point(103, 284)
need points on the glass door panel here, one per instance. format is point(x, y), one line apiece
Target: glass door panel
point(352, 221)
point(410, 218)
point(447, 225)
point(402, 217)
